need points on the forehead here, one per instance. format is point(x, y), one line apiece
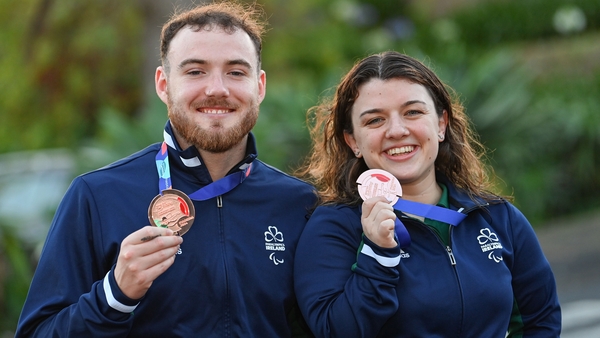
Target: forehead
point(382, 93)
point(211, 44)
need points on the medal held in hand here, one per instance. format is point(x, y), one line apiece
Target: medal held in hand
point(377, 182)
point(172, 209)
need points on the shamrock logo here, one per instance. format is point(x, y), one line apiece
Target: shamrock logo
point(486, 236)
point(273, 235)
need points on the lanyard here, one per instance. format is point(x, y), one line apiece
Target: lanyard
point(216, 188)
point(424, 210)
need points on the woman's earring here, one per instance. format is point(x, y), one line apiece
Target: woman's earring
point(356, 152)
point(441, 137)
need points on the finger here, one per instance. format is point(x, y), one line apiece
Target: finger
point(371, 203)
point(379, 225)
point(385, 214)
point(153, 249)
point(149, 239)
point(158, 256)
point(137, 255)
point(136, 268)
point(148, 233)
point(386, 228)
point(376, 214)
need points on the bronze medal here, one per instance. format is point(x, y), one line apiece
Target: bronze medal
point(377, 182)
point(172, 209)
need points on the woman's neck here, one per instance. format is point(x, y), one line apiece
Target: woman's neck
point(423, 192)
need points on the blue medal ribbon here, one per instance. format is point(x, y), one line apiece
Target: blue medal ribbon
point(214, 189)
point(424, 210)
point(162, 165)
point(221, 186)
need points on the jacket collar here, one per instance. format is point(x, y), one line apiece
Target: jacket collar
point(459, 198)
point(190, 161)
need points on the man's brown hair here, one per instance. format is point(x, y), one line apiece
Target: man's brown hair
point(227, 15)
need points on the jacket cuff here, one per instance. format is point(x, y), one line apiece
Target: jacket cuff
point(115, 298)
point(387, 257)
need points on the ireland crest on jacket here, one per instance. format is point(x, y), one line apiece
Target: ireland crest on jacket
point(274, 243)
point(490, 243)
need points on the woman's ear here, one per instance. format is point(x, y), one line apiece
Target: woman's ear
point(351, 142)
point(442, 125)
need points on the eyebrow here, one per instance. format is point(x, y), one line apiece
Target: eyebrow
point(377, 110)
point(240, 62)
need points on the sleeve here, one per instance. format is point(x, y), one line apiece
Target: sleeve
point(345, 284)
point(67, 296)
point(534, 287)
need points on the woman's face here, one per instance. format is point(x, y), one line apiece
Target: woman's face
point(396, 128)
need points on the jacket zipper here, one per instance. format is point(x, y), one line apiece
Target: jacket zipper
point(451, 255)
point(227, 313)
point(448, 247)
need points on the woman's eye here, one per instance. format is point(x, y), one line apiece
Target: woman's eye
point(374, 121)
point(413, 112)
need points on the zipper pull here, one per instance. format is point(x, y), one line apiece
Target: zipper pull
point(219, 202)
point(451, 255)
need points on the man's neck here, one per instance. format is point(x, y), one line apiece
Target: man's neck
point(219, 164)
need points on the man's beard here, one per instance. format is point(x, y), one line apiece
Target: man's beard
point(215, 139)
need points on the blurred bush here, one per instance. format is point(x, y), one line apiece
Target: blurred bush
point(496, 22)
point(16, 272)
point(62, 62)
point(528, 73)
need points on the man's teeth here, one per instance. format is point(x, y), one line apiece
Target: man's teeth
point(401, 150)
point(214, 111)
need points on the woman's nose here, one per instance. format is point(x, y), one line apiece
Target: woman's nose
point(396, 128)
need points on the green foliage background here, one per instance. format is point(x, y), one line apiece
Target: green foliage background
point(72, 78)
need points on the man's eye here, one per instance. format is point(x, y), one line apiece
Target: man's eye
point(237, 73)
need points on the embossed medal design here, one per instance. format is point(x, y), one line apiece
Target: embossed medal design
point(173, 209)
point(377, 182)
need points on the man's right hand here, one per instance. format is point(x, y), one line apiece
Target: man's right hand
point(145, 255)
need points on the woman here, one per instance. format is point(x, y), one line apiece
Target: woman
point(482, 277)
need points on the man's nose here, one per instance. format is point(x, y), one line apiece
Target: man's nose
point(216, 86)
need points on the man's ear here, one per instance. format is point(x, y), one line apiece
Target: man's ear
point(160, 82)
point(262, 85)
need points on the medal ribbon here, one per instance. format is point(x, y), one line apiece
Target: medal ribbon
point(424, 210)
point(216, 188)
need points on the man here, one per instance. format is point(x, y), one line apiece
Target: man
point(217, 259)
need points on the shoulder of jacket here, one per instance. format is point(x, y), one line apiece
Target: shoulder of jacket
point(149, 151)
point(341, 208)
point(292, 180)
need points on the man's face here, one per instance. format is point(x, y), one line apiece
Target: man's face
point(213, 88)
